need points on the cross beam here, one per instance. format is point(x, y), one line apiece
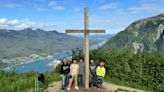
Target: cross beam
point(86, 32)
point(82, 31)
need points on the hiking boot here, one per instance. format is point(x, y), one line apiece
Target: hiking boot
point(68, 89)
point(63, 88)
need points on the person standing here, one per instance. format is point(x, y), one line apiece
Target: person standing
point(64, 73)
point(100, 72)
point(81, 72)
point(74, 71)
point(92, 68)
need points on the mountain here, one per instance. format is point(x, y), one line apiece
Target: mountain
point(96, 38)
point(17, 43)
point(142, 35)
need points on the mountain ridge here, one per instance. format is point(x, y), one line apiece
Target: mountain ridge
point(28, 39)
point(28, 45)
point(142, 35)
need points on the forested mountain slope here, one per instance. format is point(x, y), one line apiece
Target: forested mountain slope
point(142, 35)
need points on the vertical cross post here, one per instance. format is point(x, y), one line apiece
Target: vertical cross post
point(86, 47)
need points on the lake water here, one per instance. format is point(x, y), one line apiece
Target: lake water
point(42, 65)
point(39, 65)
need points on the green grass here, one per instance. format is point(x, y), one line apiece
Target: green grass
point(23, 82)
point(126, 83)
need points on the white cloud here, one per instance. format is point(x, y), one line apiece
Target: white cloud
point(39, 0)
point(3, 21)
point(25, 23)
point(109, 6)
point(99, 1)
point(41, 9)
point(77, 9)
point(58, 7)
point(54, 5)
point(149, 7)
point(15, 23)
point(152, 1)
point(10, 5)
point(113, 22)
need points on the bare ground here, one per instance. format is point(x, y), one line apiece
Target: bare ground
point(55, 87)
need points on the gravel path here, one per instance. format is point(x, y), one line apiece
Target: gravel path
point(55, 87)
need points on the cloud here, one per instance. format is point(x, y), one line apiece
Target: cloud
point(77, 9)
point(152, 1)
point(99, 1)
point(11, 5)
point(26, 23)
point(149, 7)
point(113, 22)
point(4, 21)
point(41, 9)
point(109, 6)
point(15, 23)
point(54, 5)
point(39, 0)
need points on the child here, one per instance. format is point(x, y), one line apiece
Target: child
point(92, 68)
point(81, 72)
point(100, 72)
point(74, 71)
point(64, 72)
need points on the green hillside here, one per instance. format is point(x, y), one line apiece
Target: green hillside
point(142, 35)
point(142, 70)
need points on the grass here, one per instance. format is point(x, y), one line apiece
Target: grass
point(23, 82)
point(126, 83)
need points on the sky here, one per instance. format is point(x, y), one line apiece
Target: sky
point(59, 15)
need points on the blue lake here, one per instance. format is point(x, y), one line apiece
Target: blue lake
point(42, 65)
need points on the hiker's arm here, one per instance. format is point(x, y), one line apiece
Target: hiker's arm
point(61, 70)
point(104, 72)
point(70, 69)
point(96, 70)
point(78, 69)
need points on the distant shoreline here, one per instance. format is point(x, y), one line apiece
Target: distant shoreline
point(56, 62)
point(48, 57)
point(52, 64)
point(31, 61)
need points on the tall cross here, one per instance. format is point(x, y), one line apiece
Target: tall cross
point(86, 32)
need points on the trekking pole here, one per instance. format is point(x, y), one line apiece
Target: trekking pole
point(36, 84)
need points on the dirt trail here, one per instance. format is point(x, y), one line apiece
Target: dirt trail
point(55, 87)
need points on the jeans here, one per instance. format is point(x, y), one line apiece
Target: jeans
point(93, 80)
point(100, 80)
point(81, 80)
point(65, 79)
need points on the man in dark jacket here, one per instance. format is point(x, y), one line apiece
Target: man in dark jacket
point(64, 73)
point(93, 77)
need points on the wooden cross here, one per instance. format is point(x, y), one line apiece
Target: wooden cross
point(86, 32)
